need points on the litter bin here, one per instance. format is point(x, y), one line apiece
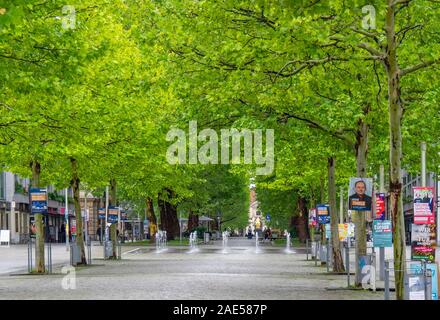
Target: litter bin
point(206, 237)
point(108, 249)
point(75, 257)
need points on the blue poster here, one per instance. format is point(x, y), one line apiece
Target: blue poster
point(382, 234)
point(323, 213)
point(416, 268)
point(38, 200)
point(101, 213)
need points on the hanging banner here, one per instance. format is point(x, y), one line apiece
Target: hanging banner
point(113, 213)
point(323, 211)
point(382, 234)
point(73, 227)
point(380, 206)
point(312, 217)
point(343, 231)
point(38, 200)
point(424, 205)
point(423, 242)
point(360, 194)
point(101, 213)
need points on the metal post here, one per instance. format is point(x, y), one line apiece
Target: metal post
point(316, 252)
point(381, 263)
point(382, 249)
point(387, 280)
point(341, 206)
point(105, 223)
point(307, 249)
point(347, 263)
point(180, 227)
point(327, 260)
point(30, 255)
point(66, 218)
point(428, 285)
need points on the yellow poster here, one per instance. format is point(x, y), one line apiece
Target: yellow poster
point(343, 231)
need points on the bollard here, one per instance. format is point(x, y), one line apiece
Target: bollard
point(327, 262)
point(30, 255)
point(89, 246)
point(307, 249)
point(387, 280)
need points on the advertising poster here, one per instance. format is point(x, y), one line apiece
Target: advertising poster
point(113, 213)
point(360, 194)
point(101, 213)
point(380, 206)
point(312, 217)
point(423, 242)
point(382, 234)
point(424, 205)
point(73, 227)
point(328, 232)
point(38, 200)
point(32, 227)
point(343, 231)
point(416, 268)
point(323, 211)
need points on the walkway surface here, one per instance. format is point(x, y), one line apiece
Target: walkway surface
point(209, 272)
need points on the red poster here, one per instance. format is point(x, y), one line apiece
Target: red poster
point(424, 205)
point(380, 206)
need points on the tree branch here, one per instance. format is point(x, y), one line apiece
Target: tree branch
point(419, 66)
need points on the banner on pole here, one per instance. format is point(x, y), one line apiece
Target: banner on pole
point(380, 206)
point(38, 200)
point(423, 242)
point(323, 211)
point(360, 194)
point(382, 234)
point(424, 205)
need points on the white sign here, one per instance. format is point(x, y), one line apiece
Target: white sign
point(5, 237)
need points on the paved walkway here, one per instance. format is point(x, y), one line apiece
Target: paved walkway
point(177, 273)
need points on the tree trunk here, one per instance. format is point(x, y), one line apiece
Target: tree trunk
point(301, 221)
point(338, 264)
point(113, 228)
point(193, 220)
point(38, 219)
point(395, 118)
point(168, 215)
point(361, 150)
point(151, 216)
point(74, 183)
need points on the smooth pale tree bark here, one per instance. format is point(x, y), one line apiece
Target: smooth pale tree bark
point(113, 228)
point(151, 216)
point(338, 264)
point(168, 215)
point(39, 239)
point(361, 150)
point(74, 183)
point(395, 114)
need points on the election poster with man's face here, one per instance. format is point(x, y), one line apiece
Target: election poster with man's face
point(360, 194)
